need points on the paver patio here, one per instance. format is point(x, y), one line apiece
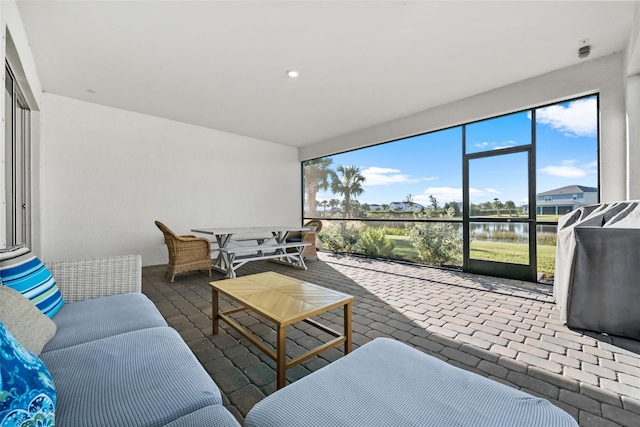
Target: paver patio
point(503, 329)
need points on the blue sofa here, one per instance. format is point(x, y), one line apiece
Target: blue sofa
point(113, 359)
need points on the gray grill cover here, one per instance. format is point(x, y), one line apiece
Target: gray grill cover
point(597, 277)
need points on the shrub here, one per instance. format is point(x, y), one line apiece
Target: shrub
point(437, 242)
point(547, 238)
point(339, 236)
point(374, 243)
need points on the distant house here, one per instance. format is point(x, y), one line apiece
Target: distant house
point(374, 207)
point(566, 199)
point(404, 206)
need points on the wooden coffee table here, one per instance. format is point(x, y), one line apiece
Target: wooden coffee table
point(284, 301)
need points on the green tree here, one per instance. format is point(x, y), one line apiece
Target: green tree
point(409, 201)
point(454, 206)
point(434, 203)
point(497, 204)
point(487, 206)
point(324, 204)
point(384, 207)
point(347, 181)
point(356, 209)
point(316, 177)
point(510, 206)
point(334, 203)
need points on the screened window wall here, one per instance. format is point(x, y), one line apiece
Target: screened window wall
point(486, 190)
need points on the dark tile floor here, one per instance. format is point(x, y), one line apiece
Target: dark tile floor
point(502, 329)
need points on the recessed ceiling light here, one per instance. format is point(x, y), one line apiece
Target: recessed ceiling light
point(293, 73)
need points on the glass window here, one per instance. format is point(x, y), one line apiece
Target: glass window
point(17, 160)
point(566, 156)
point(507, 131)
point(421, 175)
point(403, 199)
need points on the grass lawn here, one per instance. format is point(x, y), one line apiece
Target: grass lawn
point(490, 251)
point(404, 249)
point(514, 253)
point(550, 218)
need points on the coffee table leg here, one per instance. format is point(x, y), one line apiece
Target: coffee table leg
point(281, 353)
point(214, 311)
point(347, 328)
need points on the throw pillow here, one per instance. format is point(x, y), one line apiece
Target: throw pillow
point(27, 396)
point(26, 323)
point(24, 272)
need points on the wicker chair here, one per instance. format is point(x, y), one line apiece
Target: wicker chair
point(186, 253)
point(308, 237)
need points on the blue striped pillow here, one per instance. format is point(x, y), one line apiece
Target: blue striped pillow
point(24, 272)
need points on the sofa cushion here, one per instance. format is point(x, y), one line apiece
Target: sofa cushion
point(93, 319)
point(211, 416)
point(387, 383)
point(27, 396)
point(23, 271)
point(27, 324)
point(142, 378)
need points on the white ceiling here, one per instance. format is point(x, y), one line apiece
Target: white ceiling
point(222, 65)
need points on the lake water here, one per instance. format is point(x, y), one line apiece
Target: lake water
point(520, 229)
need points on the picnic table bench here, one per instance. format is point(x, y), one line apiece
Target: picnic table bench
point(234, 253)
point(238, 256)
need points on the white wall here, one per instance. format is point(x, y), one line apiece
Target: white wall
point(603, 75)
point(109, 173)
point(632, 66)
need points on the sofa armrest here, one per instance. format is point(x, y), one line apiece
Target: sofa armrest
point(97, 277)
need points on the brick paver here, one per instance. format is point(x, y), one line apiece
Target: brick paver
point(506, 330)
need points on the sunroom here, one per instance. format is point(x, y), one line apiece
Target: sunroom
point(117, 114)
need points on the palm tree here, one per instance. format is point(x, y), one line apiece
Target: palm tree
point(334, 203)
point(509, 204)
point(347, 181)
point(409, 201)
point(324, 204)
point(316, 178)
point(497, 204)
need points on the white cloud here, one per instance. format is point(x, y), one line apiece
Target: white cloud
point(578, 118)
point(475, 192)
point(431, 178)
point(493, 145)
point(564, 171)
point(570, 169)
point(443, 194)
point(476, 195)
point(591, 167)
point(385, 176)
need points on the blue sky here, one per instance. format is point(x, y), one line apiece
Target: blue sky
point(432, 163)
